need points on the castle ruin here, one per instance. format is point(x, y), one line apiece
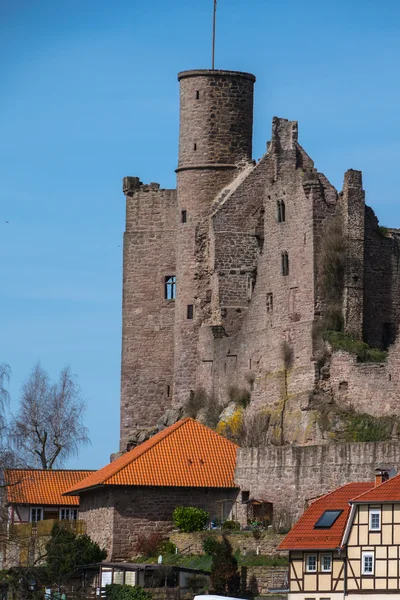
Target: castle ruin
point(234, 278)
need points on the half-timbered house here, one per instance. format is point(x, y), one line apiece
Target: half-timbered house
point(348, 543)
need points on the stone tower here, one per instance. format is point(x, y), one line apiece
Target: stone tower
point(215, 141)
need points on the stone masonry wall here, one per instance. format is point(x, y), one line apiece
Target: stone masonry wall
point(96, 508)
point(147, 317)
point(116, 516)
point(291, 476)
point(245, 542)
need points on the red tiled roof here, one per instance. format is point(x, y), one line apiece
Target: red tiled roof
point(35, 486)
point(187, 454)
point(303, 536)
point(388, 491)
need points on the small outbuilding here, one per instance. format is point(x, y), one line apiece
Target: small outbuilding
point(187, 464)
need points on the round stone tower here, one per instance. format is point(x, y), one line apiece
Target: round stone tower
point(215, 141)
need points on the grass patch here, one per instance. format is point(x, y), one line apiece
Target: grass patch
point(203, 562)
point(383, 231)
point(366, 428)
point(342, 341)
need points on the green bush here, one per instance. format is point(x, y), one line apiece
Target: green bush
point(366, 428)
point(114, 591)
point(65, 551)
point(342, 341)
point(210, 545)
point(168, 547)
point(190, 518)
point(231, 525)
point(240, 396)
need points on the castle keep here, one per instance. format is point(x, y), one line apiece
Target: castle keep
point(235, 277)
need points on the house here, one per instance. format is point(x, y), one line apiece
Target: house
point(177, 580)
point(34, 501)
point(186, 464)
point(348, 543)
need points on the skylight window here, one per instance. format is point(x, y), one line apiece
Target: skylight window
point(327, 519)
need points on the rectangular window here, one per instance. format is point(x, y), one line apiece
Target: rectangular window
point(311, 563)
point(326, 563)
point(170, 287)
point(367, 565)
point(36, 514)
point(68, 514)
point(285, 264)
point(189, 311)
point(270, 302)
point(281, 211)
point(375, 519)
point(183, 216)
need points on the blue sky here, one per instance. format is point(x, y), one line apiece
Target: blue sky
point(88, 94)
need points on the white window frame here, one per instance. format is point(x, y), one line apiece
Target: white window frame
point(327, 555)
point(71, 512)
point(308, 570)
point(374, 512)
point(36, 509)
point(364, 555)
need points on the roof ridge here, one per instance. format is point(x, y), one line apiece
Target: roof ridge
point(162, 435)
point(48, 470)
point(340, 488)
point(376, 487)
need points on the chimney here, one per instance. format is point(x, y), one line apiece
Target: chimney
point(381, 475)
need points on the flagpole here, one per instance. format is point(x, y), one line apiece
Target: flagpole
point(213, 37)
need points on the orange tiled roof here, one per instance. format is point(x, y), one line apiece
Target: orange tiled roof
point(187, 454)
point(388, 491)
point(35, 486)
point(303, 536)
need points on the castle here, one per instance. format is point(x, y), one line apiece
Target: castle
point(236, 277)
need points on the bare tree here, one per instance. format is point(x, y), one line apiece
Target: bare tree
point(48, 427)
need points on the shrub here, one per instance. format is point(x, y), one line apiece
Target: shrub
point(149, 544)
point(366, 428)
point(343, 341)
point(210, 545)
point(231, 525)
point(168, 547)
point(240, 396)
point(114, 591)
point(282, 520)
point(190, 518)
point(225, 578)
point(65, 551)
point(383, 231)
point(197, 584)
point(196, 402)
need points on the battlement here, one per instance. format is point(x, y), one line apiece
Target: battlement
point(215, 72)
point(130, 185)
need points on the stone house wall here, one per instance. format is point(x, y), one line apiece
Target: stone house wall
point(115, 516)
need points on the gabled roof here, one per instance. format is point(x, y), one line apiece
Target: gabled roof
point(187, 454)
point(303, 535)
point(35, 486)
point(388, 491)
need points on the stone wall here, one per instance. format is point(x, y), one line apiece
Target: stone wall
point(147, 316)
point(259, 580)
point(116, 516)
point(96, 508)
point(243, 541)
point(291, 476)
